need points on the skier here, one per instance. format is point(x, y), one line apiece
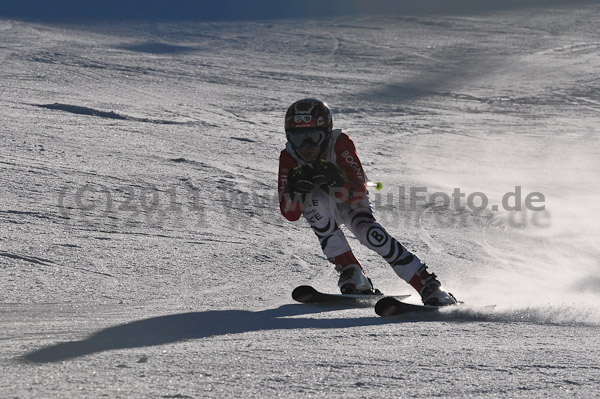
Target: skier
point(322, 179)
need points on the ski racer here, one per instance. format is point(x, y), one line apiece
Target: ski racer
point(322, 179)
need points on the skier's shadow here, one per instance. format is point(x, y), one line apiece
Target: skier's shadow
point(184, 326)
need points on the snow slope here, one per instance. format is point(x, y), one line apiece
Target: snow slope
point(141, 248)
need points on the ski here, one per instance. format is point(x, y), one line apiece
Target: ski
point(310, 295)
point(390, 306)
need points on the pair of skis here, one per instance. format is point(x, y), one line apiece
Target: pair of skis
point(385, 306)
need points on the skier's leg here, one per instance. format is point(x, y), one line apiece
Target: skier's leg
point(408, 266)
point(322, 220)
point(361, 222)
point(320, 214)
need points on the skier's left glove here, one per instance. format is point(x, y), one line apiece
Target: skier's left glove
point(326, 175)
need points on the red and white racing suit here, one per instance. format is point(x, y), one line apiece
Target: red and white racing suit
point(349, 206)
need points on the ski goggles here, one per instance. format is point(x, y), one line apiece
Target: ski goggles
point(306, 138)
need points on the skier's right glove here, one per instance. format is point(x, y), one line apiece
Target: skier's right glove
point(300, 180)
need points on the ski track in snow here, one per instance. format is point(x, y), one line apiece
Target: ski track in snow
point(141, 247)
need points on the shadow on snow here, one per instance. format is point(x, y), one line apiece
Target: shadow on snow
point(195, 325)
point(175, 328)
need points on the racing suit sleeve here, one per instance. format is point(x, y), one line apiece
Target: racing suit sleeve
point(290, 209)
point(355, 182)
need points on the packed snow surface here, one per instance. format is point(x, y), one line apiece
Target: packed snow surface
point(142, 253)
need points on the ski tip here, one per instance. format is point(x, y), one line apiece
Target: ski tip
point(303, 293)
point(386, 306)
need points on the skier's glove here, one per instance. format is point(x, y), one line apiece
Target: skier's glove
point(326, 175)
point(300, 181)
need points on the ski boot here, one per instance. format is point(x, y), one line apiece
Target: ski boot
point(430, 289)
point(352, 276)
point(353, 281)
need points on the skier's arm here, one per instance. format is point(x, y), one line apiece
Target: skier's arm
point(290, 209)
point(351, 168)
